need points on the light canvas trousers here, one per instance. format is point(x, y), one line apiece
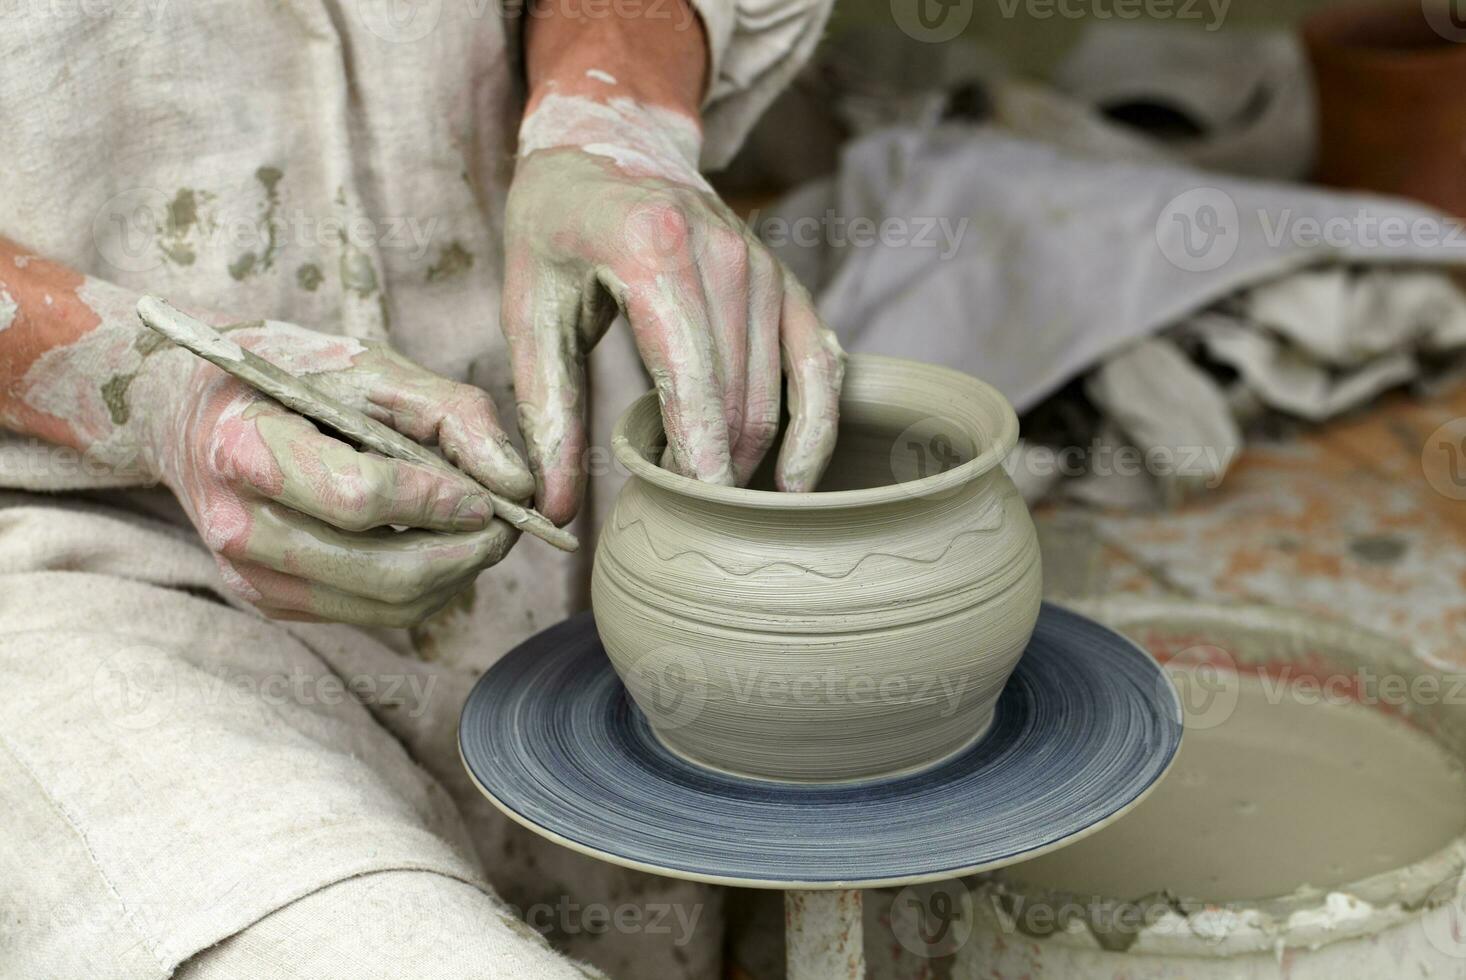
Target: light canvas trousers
point(186, 786)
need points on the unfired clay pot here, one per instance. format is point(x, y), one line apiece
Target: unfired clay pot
point(856, 632)
point(1389, 76)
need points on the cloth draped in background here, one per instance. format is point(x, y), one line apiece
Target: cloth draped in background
point(1045, 243)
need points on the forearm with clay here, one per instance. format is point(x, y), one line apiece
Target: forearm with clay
point(608, 210)
point(299, 522)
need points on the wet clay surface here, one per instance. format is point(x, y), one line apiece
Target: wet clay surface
point(1288, 790)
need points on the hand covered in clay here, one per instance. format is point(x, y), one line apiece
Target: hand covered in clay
point(300, 522)
point(607, 211)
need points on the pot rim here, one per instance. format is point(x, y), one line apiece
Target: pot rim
point(991, 401)
point(1332, 34)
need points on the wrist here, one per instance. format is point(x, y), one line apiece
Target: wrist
point(639, 139)
point(74, 366)
point(627, 88)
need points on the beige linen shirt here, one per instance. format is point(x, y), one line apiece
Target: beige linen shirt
point(341, 164)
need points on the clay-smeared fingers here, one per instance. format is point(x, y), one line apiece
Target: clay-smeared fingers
point(762, 392)
point(470, 435)
point(669, 319)
point(429, 408)
point(461, 419)
point(814, 366)
point(724, 272)
point(281, 595)
point(539, 319)
point(399, 568)
point(306, 470)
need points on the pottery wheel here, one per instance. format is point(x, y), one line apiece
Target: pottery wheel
point(1085, 728)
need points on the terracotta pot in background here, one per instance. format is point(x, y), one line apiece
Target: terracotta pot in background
point(1390, 78)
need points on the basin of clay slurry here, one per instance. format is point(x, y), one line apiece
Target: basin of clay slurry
point(853, 633)
point(1313, 826)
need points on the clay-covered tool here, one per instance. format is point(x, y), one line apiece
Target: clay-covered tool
point(300, 396)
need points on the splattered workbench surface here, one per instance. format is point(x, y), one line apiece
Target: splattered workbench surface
point(1363, 520)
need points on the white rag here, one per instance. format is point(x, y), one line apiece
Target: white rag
point(1030, 259)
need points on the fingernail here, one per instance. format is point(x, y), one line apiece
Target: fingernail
point(515, 477)
point(519, 482)
point(473, 513)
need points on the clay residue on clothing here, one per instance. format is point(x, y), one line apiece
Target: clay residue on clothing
point(357, 273)
point(252, 262)
point(179, 220)
point(269, 178)
point(453, 260)
point(242, 267)
point(309, 277)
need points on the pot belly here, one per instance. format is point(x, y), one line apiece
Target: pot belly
point(826, 661)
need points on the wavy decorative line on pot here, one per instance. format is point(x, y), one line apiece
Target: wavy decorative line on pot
point(992, 515)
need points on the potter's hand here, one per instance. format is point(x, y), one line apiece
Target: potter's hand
point(299, 522)
point(607, 210)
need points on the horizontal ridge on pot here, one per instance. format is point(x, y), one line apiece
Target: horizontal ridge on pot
point(844, 634)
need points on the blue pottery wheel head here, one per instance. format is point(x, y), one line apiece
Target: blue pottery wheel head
point(1087, 725)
